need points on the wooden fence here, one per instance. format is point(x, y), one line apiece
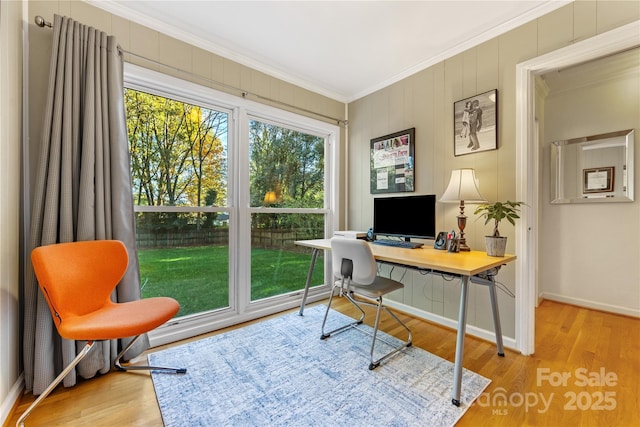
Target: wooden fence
point(260, 238)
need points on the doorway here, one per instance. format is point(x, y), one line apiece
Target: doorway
point(527, 162)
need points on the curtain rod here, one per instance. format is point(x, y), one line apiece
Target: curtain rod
point(41, 22)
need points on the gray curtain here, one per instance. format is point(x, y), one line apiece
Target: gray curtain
point(82, 189)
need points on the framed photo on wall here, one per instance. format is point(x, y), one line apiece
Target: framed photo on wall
point(475, 123)
point(392, 162)
point(598, 180)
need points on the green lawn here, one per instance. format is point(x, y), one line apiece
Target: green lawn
point(198, 277)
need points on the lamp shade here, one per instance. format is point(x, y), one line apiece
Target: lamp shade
point(463, 186)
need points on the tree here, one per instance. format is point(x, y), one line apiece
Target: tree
point(290, 164)
point(208, 156)
point(178, 150)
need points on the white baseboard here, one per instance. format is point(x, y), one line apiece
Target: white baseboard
point(610, 308)
point(475, 331)
point(12, 397)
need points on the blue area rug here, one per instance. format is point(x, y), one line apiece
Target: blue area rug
point(280, 373)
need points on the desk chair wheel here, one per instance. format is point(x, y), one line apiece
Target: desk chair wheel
point(373, 366)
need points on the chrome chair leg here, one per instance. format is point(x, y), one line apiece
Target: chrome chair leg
point(374, 363)
point(405, 344)
point(85, 350)
point(326, 335)
point(119, 363)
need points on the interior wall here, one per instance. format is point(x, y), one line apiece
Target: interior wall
point(425, 101)
point(590, 252)
point(10, 150)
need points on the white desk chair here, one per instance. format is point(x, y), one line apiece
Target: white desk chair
point(357, 270)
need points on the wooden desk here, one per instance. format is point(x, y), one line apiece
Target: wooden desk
point(466, 265)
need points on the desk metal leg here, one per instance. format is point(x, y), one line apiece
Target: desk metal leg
point(490, 281)
point(496, 317)
point(314, 255)
point(462, 326)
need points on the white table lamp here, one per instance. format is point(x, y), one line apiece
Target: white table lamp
point(463, 186)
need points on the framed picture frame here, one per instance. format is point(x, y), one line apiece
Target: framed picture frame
point(392, 162)
point(475, 123)
point(598, 180)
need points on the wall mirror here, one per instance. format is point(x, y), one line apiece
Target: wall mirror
point(593, 169)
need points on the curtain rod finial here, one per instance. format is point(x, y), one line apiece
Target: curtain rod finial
point(40, 22)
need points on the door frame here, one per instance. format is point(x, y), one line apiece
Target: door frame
point(528, 161)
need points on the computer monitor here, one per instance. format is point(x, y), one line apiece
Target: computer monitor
point(405, 216)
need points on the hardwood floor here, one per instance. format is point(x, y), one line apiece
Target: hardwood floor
point(585, 372)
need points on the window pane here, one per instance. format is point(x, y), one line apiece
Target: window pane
point(279, 266)
point(184, 256)
point(286, 167)
point(178, 152)
point(179, 158)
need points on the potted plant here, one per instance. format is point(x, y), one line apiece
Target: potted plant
point(496, 212)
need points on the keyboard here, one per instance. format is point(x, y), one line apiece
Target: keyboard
point(398, 244)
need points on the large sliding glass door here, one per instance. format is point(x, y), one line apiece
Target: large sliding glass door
point(223, 188)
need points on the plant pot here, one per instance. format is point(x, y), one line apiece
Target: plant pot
point(496, 246)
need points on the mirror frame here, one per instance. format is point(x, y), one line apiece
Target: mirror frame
point(599, 184)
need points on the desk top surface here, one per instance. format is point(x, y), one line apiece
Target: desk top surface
point(464, 263)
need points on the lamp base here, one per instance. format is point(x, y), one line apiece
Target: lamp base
point(462, 223)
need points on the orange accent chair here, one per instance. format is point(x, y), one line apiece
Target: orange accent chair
point(77, 280)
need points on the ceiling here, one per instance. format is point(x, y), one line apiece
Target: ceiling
point(340, 49)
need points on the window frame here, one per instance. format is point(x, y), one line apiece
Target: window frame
point(328, 223)
point(240, 111)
